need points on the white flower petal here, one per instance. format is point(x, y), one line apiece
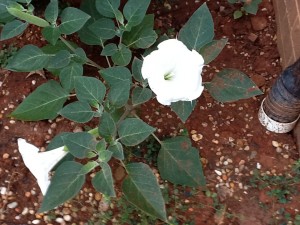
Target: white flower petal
point(183, 67)
point(40, 163)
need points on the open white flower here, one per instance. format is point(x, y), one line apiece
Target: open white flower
point(174, 72)
point(40, 163)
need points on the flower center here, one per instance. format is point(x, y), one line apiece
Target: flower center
point(168, 76)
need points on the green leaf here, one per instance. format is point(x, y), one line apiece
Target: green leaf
point(117, 149)
point(237, 14)
point(79, 112)
point(59, 45)
point(68, 74)
point(142, 35)
point(88, 37)
point(43, 103)
point(72, 20)
point(134, 12)
point(57, 141)
point(80, 56)
point(199, 30)
point(88, 167)
point(211, 50)
point(5, 16)
point(108, 8)
point(80, 144)
point(88, 6)
point(103, 181)
point(89, 89)
point(133, 131)
point(123, 56)
point(109, 49)
point(136, 69)
point(59, 60)
point(51, 11)
point(183, 109)
point(27, 59)
point(141, 95)
point(12, 29)
point(107, 127)
point(179, 163)
point(231, 85)
point(142, 190)
point(65, 184)
point(103, 28)
point(119, 80)
point(252, 7)
point(105, 156)
point(51, 34)
point(27, 17)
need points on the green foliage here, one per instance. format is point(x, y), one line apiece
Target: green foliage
point(231, 85)
point(5, 53)
point(122, 35)
point(144, 193)
point(248, 7)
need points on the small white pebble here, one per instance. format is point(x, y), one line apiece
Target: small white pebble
point(59, 220)
point(67, 218)
point(12, 205)
point(3, 190)
point(218, 172)
point(36, 222)
point(258, 166)
point(275, 144)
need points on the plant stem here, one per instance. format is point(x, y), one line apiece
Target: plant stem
point(90, 62)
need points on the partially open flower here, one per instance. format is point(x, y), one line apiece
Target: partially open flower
point(40, 163)
point(174, 72)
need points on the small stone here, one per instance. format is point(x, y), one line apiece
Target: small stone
point(5, 156)
point(258, 166)
point(278, 150)
point(59, 220)
point(12, 205)
point(36, 222)
point(286, 156)
point(3, 190)
point(218, 172)
point(27, 194)
point(259, 23)
point(25, 211)
point(252, 37)
point(275, 144)
point(67, 218)
point(98, 196)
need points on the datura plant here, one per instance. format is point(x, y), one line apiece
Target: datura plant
point(169, 70)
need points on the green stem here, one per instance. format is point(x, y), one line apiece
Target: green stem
point(90, 62)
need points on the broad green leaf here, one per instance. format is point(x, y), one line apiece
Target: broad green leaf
point(79, 144)
point(199, 29)
point(12, 29)
point(80, 56)
point(27, 59)
point(43, 103)
point(103, 28)
point(88, 167)
point(59, 60)
point(88, 6)
point(108, 8)
point(68, 74)
point(134, 12)
point(101, 145)
point(179, 163)
point(27, 17)
point(89, 89)
point(119, 80)
point(57, 141)
point(105, 156)
point(59, 45)
point(72, 20)
point(211, 50)
point(231, 85)
point(142, 190)
point(142, 35)
point(51, 34)
point(123, 56)
point(103, 181)
point(136, 68)
point(65, 184)
point(109, 49)
point(252, 6)
point(80, 112)
point(107, 127)
point(51, 11)
point(117, 150)
point(119, 95)
point(141, 95)
point(183, 109)
point(5, 16)
point(133, 131)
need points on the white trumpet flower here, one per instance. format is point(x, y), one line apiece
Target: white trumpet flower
point(40, 163)
point(174, 72)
